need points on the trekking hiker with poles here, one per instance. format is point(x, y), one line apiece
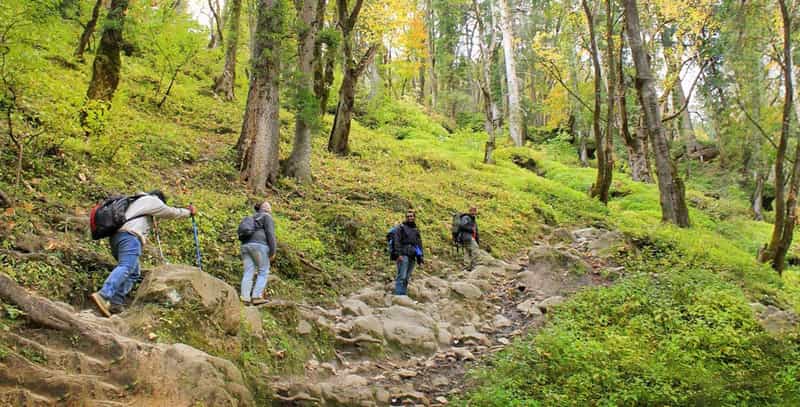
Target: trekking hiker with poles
point(126, 221)
point(406, 244)
point(257, 234)
point(466, 236)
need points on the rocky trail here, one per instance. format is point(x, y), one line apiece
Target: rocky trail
point(390, 350)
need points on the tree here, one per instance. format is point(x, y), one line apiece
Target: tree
point(299, 163)
point(670, 185)
point(514, 108)
point(216, 24)
point(225, 83)
point(107, 62)
point(488, 47)
point(785, 207)
point(88, 30)
point(338, 142)
point(259, 140)
point(635, 143)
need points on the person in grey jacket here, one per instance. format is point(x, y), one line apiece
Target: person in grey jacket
point(126, 246)
point(257, 253)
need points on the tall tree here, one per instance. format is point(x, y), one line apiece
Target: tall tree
point(603, 151)
point(338, 142)
point(107, 62)
point(635, 143)
point(514, 107)
point(88, 30)
point(299, 163)
point(488, 47)
point(216, 24)
point(785, 207)
point(259, 140)
point(225, 83)
point(670, 185)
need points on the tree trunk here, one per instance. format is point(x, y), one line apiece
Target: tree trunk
point(670, 185)
point(636, 145)
point(785, 210)
point(216, 24)
point(602, 183)
point(107, 62)
point(583, 151)
point(338, 142)
point(88, 31)
point(514, 109)
point(259, 141)
point(430, 103)
point(224, 84)
point(298, 165)
point(758, 197)
point(490, 110)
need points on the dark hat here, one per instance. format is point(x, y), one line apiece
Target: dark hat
point(160, 195)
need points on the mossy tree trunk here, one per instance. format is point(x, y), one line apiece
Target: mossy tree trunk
point(670, 186)
point(259, 140)
point(225, 83)
point(88, 30)
point(107, 62)
point(635, 144)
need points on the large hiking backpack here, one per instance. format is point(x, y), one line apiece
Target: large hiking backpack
point(247, 227)
point(390, 241)
point(109, 215)
point(462, 225)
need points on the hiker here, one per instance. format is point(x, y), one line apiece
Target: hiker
point(468, 236)
point(127, 243)
point(407, 250)
point(257, 234)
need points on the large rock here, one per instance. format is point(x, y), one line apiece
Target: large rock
point(406, 327)
point(173, 284)
point(252, 317)
point(553, 271)
point(355, 308)
point(773, 319)
point(347, 390)
point(467, 290)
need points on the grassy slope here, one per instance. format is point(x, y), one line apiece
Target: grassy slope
point(677, 331)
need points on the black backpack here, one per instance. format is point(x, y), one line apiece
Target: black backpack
point(109, 215)
point(390, 242)
point(247, 227)
point(462, 224)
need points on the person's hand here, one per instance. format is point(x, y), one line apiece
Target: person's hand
point(192, 210)
point(271, 258)
point(399, 259)
point(420, 260)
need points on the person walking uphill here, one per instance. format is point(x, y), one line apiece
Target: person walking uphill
point(127, 242)
point(406, 251)
point(257, 234)
point(469, 237)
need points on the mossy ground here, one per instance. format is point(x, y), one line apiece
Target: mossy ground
point(676, 331)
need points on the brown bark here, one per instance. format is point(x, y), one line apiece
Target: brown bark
point(338, 142)
point(670, 185)
point(225, 83)
point(298, 165)
point(490, 110)
point(88, 30)
point(259, 141)
point(217, 25)
point(107, 62)
point(785, 207)
point(432, 82)
point(602, 183)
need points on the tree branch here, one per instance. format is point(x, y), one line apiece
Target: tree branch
point(688, 96)
point(755, 123)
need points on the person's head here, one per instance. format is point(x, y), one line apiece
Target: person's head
point(411, 216)
point(473, 210)
point(263, 207)
point(158, 194)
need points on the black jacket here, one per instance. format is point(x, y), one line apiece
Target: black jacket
point(265, 233)
point(467, 235)
point(406, 238)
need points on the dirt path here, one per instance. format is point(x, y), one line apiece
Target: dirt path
point(416, 350)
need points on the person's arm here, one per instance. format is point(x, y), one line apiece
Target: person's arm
point(155, 208)
point(397, 242)
point(269, 232)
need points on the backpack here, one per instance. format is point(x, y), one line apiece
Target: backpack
point(390, 241)
point(462, 224)
point(247, 227)
point(109, 215)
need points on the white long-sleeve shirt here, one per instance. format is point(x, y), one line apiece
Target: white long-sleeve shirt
point(152, 207)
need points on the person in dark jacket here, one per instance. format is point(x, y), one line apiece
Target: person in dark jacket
point(407, 249)
point(469, 236)
point(257, 253)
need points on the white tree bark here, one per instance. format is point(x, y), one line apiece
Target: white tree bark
point(514, 110)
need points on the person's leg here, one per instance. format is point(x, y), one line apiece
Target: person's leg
point(262, 262)
point(411, 263)
point(127, 249)
point(473, 253)
point(401, 280)
point(249, 270)
point(127, 286)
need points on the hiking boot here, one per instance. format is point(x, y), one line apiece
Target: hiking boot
point(244, 300)
point(259, 301)
point(103, 305)
point(116, 309)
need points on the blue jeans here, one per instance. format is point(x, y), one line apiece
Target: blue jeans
point(254, 256)
point(126, 248)
point(405, 266)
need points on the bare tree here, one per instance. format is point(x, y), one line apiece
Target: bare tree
point(490, 110)
point(216, 24)
point(88, 30)
point(225, 83)
point(514, 108)
point(340, 132)
point(259, 141)
point(670, 185)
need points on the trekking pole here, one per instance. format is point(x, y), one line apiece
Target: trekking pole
point(197, 244)
point(158, 240)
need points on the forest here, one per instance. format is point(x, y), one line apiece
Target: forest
point(634, 166)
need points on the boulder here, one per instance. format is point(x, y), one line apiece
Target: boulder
point(173, 284)
point(356, 308)
point(553, 271)
point(252, 317)
point(773, 319)
point(369, 325)
point(467, 290)
point(409, 328)
point(347, 390)
point(548, 304)
point(529, 308)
